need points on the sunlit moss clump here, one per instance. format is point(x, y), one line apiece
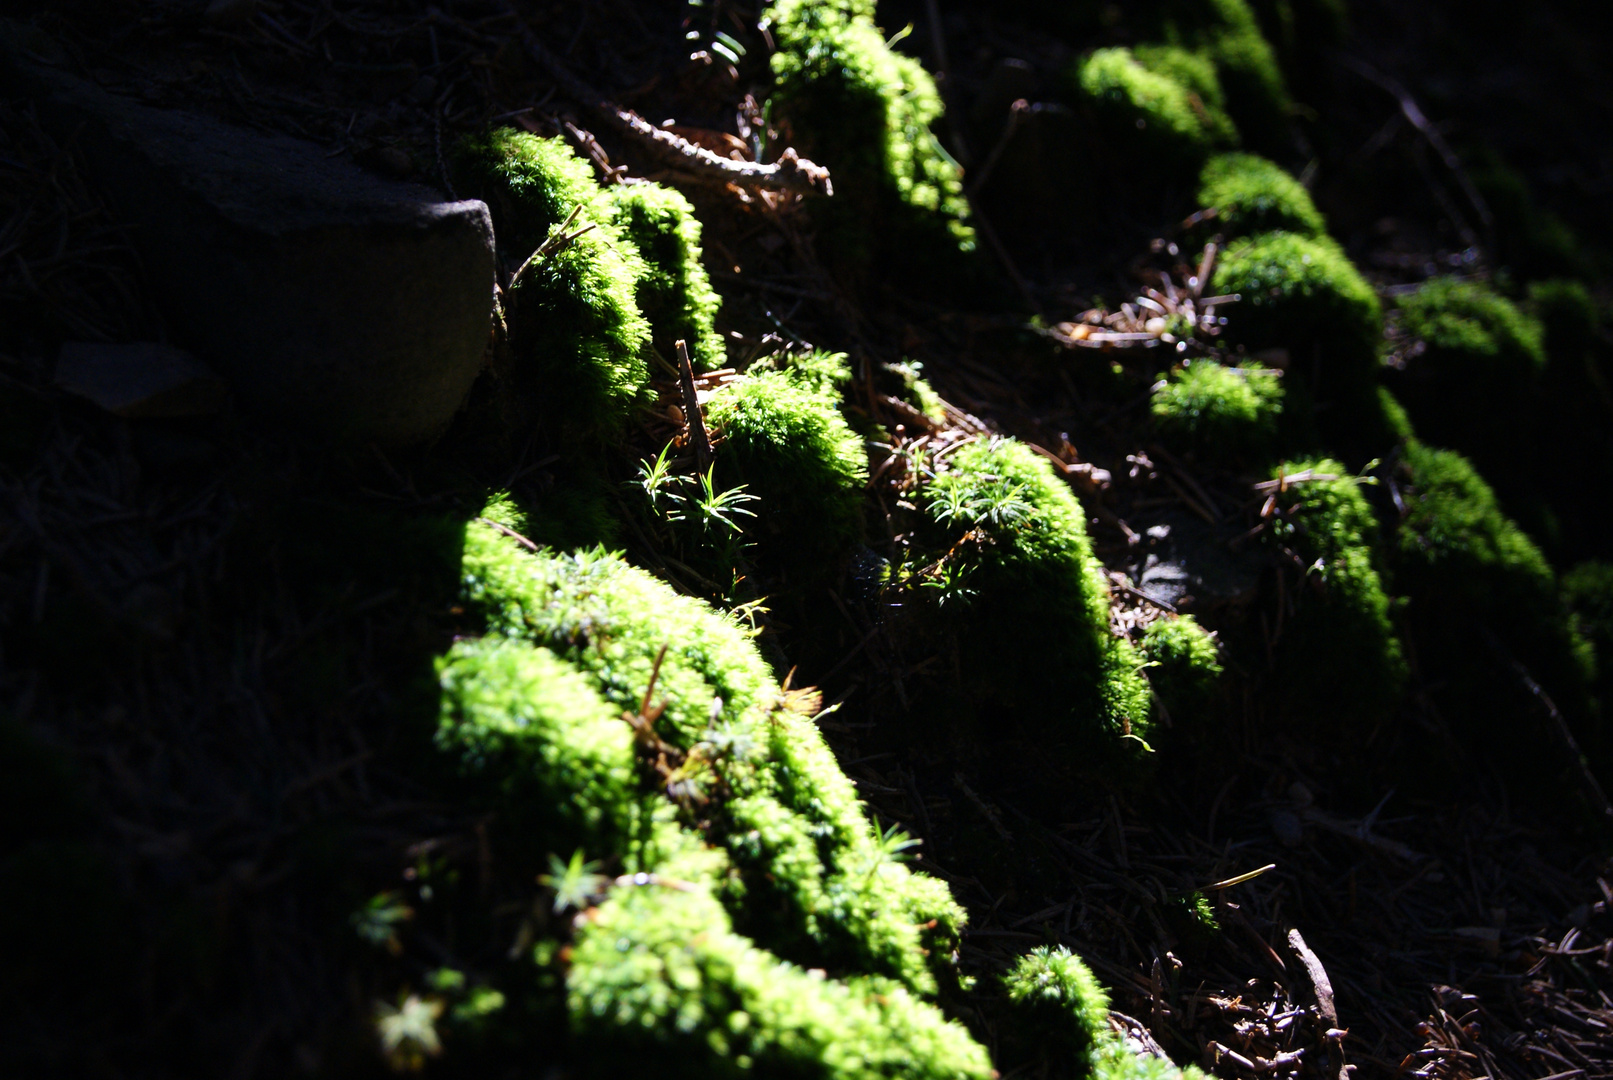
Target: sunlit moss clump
point(1469, 331)
point(1184, 663)
point(784, 438)
point(659, 980)
point(866, 111)
point(1196, 74)
point(755, 818)
point(576, 331)
point(1252, 195)
point(1482, 592)
point(1055, 999)
point(674, 293)
point(1031, 601)
point(1151, 108)
point(1302, 295)
point(1339, 659)
point(1222, 412)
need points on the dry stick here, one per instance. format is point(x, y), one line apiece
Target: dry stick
point(691, 408)
point(790, 172)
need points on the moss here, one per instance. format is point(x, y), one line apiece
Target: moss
point(1253, 195)
point(1303, 295)
point(1478, 585)
point(1222, 412)
point(1186, 662)
point(1588, 595)
point(787, 442)
point(576, 331)
point(659, 979)
point(1532, 242)
point(866, 111)
point(1033, 622)
point(1339, 660)
point(810, 878)
point(818, 370)
point(675, 293)
point(1196, 74)
point(1146, 108)
point(1568, 319)
point(1470, 331)
point(917, 391)
point(1056, 999)
point(1256, 96)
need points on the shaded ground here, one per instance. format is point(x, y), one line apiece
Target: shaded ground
point(230, 632)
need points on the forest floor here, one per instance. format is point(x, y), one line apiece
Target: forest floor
point(1462, 934)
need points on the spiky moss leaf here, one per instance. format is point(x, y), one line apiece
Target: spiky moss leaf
point(1035, 639)
point(1303, 295)
point(814, 880)
point(1473, 577)
point(659, 978)
point(866, 112)
point(1056, 998)
point(1187, 663)
point(531, 727)
point(1254, 195)
point(575, 326)
point(1471, 330)
point(790, 446)
point(1147, 109)
point(1340, 659)
point(1223, 412)
point(1196, 74)
point(675, 292)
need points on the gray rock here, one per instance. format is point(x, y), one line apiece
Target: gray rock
point(139, 380)
point(327, 297)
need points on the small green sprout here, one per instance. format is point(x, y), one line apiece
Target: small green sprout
point(575, 883)
point(377, 921)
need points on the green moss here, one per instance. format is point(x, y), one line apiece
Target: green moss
point(1303, 295)
point(658, 979)
point(1339, 660)
point(1478, 584)
point(817, 370)
point(576, 332)
point(917, 391)
point(1033, 618)
point(1196, 74)
point(866, 111)
point(675, 293)
point(1256, 97)
point(1469, 331)
point(1056, 999)
point(1588, 595)
point(1253, 195)
point(787, 442)
point(1568, 319)
point(811, 879)
point(1186, 662)
point(1146, 108)
point(1532, 242)
point(1222, 412)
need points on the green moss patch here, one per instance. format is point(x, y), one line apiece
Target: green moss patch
point(1056, 999)
point(1252, 195)
point(1185, 664)
point(1150, 108)
point(1222, 412)
point(674, 293)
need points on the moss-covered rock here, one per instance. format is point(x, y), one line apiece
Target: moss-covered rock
point(1340, 665)
point(866, 111)
point(1185, 664)
point(1303, 296)
point(674, 293)
point(1224, 413)
point(1029, 603)
point(576, 332)
point(784, 438)
point(1253, 195)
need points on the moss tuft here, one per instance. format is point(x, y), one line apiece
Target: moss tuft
point(786, 441)
point(1471, 332)
point(658, 978)
point(1252, 195)
point(1033, 625)
point(674, 293)
point(576, 331)
point(1149, 109)
point(1186, 662)
point(1588, 595)
point(1303, 295)
point(1196, 74)
point(866, 111)
point(1339, 661)
point(1221, 412)
point(1056, 999)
